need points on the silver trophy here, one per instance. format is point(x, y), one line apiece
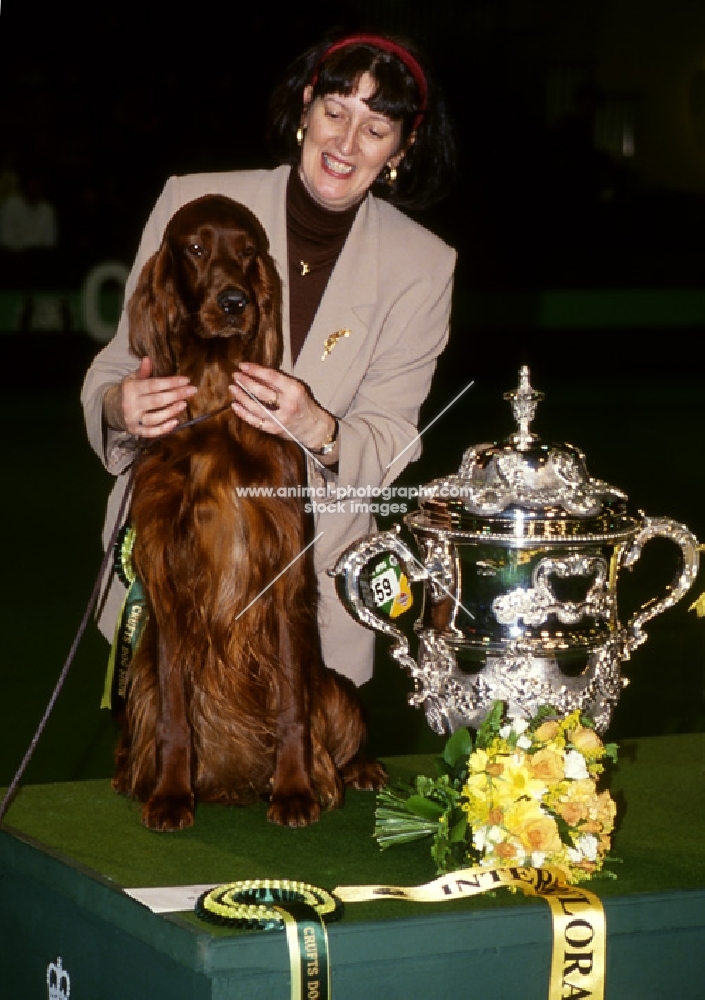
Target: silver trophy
point(518, 557)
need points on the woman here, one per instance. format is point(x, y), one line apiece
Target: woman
point(366, 299)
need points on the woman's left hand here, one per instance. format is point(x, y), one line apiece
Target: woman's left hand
point(282, 405)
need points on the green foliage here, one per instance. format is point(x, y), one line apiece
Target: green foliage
point(432, 809)
point(396, 822)
point(491, 726)
point(543, 714)
point(563, 829)
point(458, 748)
point(426, 808)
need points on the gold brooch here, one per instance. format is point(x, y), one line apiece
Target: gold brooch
point(330, 342)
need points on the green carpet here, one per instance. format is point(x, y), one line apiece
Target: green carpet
point(659, 785)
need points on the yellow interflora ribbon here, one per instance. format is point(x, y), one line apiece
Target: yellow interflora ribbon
point(330, 342)
point(579, 933)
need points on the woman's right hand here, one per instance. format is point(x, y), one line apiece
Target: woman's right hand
point(145, 406)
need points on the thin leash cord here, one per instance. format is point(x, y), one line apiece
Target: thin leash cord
point(92, 601)
point(72, 652)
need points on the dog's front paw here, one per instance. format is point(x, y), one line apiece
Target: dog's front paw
point(165, 814)
point(120, 783)
point(294, 810)
point(364, 773)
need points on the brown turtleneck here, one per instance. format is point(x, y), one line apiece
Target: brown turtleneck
point(315, 237)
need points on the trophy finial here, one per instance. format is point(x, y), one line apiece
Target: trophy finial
point(523, 400)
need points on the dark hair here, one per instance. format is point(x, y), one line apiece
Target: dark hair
point(427, 169)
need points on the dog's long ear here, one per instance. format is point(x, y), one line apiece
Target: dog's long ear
point(155, 313)
point(267, 285)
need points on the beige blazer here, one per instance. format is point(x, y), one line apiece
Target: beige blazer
point(391, 288)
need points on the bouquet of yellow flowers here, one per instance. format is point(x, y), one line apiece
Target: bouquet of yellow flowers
point(525, 794)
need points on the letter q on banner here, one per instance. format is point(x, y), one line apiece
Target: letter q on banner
point(97, 325)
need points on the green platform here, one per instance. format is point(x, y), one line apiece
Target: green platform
point(68, 849)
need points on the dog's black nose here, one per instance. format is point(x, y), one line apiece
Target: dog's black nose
point(232, 300)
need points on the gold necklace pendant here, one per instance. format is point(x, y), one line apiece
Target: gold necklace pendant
point(305, 268)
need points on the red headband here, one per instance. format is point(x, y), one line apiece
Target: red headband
point(386, 45)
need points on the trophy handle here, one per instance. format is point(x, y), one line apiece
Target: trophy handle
point(348, 572)
point(661, 527)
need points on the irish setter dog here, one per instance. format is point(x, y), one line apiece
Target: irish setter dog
point(228, 699)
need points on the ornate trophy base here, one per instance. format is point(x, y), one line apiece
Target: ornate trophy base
point(453, 697)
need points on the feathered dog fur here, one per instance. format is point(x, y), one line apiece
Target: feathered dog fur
point(225, 704)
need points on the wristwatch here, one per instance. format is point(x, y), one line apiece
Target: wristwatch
point(327, 446)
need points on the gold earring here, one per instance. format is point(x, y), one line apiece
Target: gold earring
point(300, 132)
point(391, 174)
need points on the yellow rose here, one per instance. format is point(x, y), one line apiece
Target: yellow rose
point(572, 812)
point(521, 812)
point(536, 831)
point(547, 765)
point(582, 790)
point(546, 731)
point(606, 811)
point(590, 827)
point(504, 850)
point(586, 741)
point(541, 835)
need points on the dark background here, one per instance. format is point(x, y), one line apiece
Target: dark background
point(578, 215)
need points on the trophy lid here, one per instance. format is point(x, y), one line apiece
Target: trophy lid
point(523, 487)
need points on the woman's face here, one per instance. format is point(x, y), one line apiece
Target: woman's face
point(345, 146)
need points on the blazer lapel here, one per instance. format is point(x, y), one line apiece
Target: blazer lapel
point(347, 304)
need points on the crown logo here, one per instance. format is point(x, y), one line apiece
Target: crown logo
point(58, 981)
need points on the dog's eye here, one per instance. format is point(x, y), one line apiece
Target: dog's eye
point(195, 249)
point(248, 253)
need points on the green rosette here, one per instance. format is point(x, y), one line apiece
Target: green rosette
point(256, 904)
point(300, 909)
point(130, 622)
point(122, 555)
